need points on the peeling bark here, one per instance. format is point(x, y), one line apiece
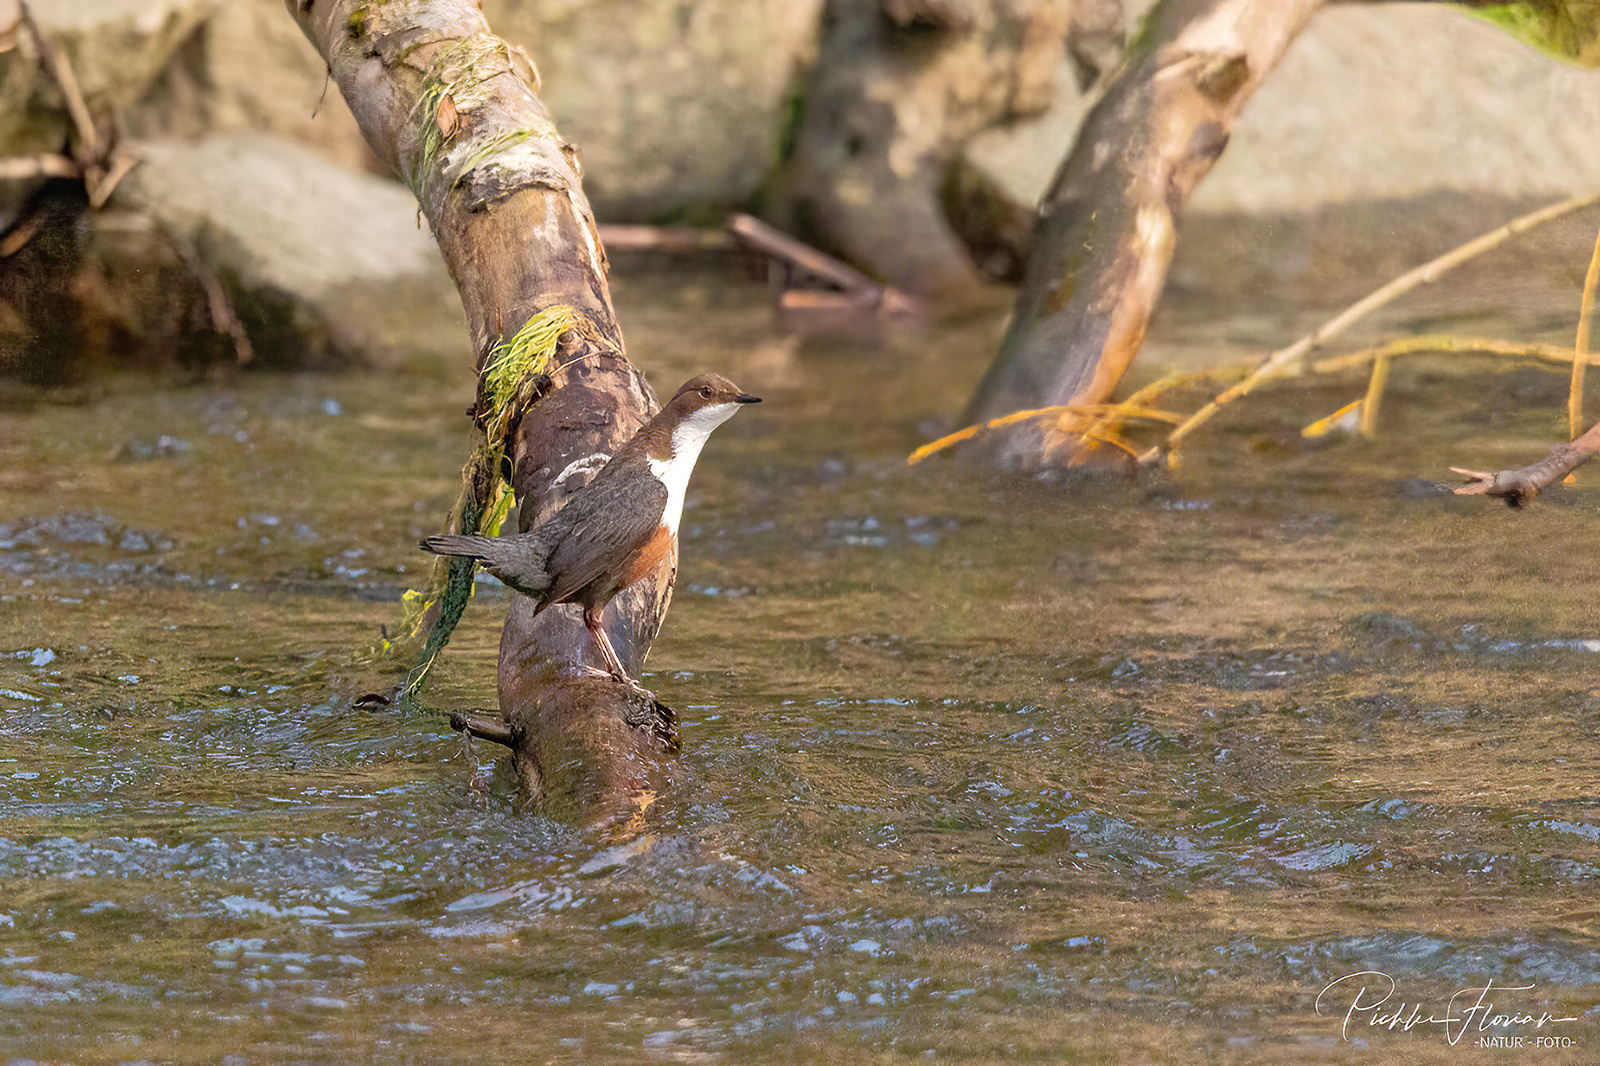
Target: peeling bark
point(1108, 225)
point(455, 111)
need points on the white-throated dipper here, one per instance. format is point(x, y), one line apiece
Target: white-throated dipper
point(617, 528)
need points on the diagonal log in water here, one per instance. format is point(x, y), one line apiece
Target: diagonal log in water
point(455, 111)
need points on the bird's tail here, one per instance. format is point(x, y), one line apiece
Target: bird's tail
point(507, 558)
point(483, 549)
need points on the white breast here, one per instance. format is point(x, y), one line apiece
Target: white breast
point(687, 440)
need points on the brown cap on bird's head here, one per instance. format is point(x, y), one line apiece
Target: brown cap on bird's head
point(709, 389)
point(701, 405)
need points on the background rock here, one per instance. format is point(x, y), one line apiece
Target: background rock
point(1409, 100)
point(677, 109)
point(1430, 126)
point(323, 265)
point(680, 110)
point(249, 68)
point(1389, 133)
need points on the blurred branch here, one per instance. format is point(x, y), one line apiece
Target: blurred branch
point(48, 165)
point(90, 143)
point(95, 157)
point(1442, 343)
point(797, 263)
point(1580, 346)
point(1522, 484)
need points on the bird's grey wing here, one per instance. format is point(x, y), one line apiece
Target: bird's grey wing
point(632, 508)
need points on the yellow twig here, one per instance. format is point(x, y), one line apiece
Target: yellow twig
point(1328, 423)
point(1374, 397)
point(1422, 275)
point(1110, 439)
point(1580, 347)
point(1139, 399)
point(1433, 342)
point(1093, 416)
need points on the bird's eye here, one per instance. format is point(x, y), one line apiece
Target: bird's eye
point(705, 390)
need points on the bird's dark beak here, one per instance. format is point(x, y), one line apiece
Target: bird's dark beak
point(745, 397)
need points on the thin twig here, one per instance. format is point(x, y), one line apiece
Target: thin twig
point(1580, 346)
point(1436, 342)
point(1091, 416)
point(96, 159)
point(223, 318)
point(122, 163)
point(1093, 423)
point(1374, 397)
point(49, 165)
point(1138, 401)
point(21, 233)
point(218, 307)
point(1422, 275)
point(61, 70)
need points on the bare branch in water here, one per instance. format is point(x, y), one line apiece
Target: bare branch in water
point(1522, 484)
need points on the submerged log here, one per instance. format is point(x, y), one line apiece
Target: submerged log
point(1108, 225)
point(455, 111)
point(1522, 484)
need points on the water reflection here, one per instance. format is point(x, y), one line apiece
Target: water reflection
point(972, 768)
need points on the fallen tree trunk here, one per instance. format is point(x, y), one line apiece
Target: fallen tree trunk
point(1108, 225)
point(455, 111)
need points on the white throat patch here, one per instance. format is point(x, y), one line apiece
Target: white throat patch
point(687, 440)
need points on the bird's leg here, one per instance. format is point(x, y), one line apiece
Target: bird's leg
point(607, 652)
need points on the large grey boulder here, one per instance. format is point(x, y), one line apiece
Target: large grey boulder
point(1371, 102)
point(325, 266)
point(678, 109)
point(1397, 101)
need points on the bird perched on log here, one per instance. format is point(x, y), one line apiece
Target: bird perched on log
point(615, 530)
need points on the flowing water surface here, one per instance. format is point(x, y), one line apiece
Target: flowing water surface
point(975, 767)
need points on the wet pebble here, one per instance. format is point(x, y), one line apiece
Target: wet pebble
point(138, 450)
point(78, 528)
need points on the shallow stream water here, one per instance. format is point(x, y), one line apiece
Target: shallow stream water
point(975, 768)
